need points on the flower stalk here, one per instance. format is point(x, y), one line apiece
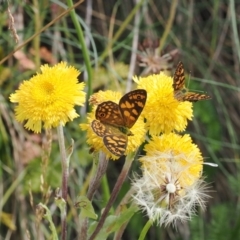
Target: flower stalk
point(145, 229)
point(85, 51)
point(65, 174)
point(116, 189)
point(101, 169)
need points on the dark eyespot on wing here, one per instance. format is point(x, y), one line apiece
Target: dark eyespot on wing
point(108, 112)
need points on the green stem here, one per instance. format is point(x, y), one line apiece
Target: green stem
point(168, 25)
point(113, 196)
point(145, 230)
point(105, 189)
point(84, 47)
point(37, 27)
point(65, 169)
point(120, 31)
point(9, 191)
point(235, 28)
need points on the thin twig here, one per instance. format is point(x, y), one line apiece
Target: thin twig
point(134, 49)
point(43, 29)
point(169, 24)
point(11, 25)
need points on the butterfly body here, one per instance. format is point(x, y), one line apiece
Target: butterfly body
point(115, 120)
point(181, 93)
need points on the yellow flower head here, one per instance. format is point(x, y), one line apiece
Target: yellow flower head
point(138, 130)
point(164, 152)
point(49, 97)
point(171, 186)
point(163, 112)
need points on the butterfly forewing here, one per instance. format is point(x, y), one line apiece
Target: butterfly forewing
point(131, 106)
point(109, 112)
point(179, 77)
point(180, 92)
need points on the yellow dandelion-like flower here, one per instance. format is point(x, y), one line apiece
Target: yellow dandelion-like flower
point(171, 186)
point(103, 96)
point(163, 112)
point(49, 97)
point(180, 149)
point(138, 130)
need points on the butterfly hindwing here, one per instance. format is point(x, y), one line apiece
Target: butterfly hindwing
point(100, 129)
point(194, 97)
point(116, 144)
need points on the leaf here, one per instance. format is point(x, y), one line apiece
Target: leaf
point(6, 219)
point(113, 223)
point(86, 207)
point(61, 203)
point(48, 217)
point(70, 151)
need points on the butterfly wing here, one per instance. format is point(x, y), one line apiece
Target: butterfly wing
point(131, 106)
point(179, 77)
point(180, 92)
point(100, 129)
point(109, 113)
point(119, 116)
point(194, 97)
point(116, 144)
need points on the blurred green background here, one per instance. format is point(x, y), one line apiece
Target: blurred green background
point(204, 36)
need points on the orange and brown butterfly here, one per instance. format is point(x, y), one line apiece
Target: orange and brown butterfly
point(115, 120)
point(181, 93)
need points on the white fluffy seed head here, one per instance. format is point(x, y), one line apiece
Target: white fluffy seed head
point(167, 193)
point(171, 188)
